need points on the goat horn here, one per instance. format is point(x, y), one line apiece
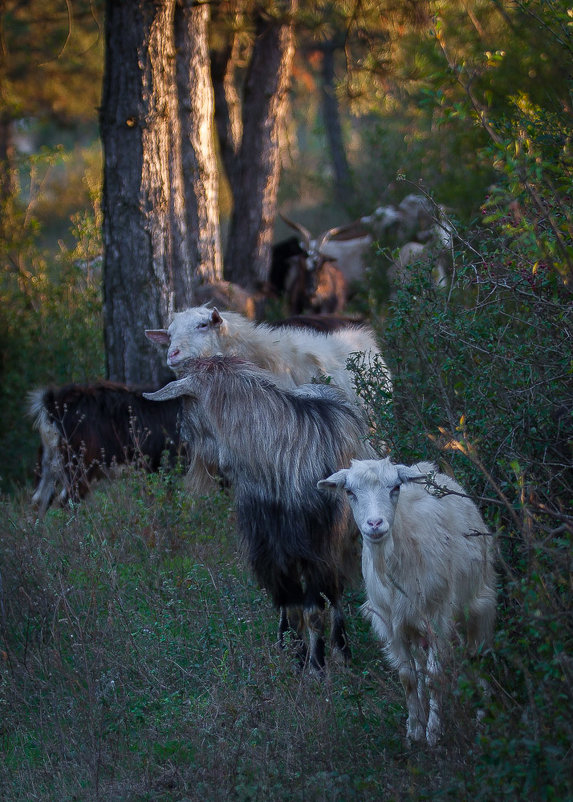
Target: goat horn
point(300, 228)
point(356, 227)
point(328, 235)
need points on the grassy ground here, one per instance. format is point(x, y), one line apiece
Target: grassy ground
point(139, 662)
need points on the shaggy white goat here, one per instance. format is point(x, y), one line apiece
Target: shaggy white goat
point(294, 355)
point(427, 562)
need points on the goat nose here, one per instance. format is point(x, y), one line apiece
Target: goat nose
point(375, 523)
point(173, 352)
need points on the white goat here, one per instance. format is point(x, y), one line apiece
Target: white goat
point(294, 355)
point(427, 562)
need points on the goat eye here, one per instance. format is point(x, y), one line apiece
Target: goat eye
point(350, 494)
point(203, 326)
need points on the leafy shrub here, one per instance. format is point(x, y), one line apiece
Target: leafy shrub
point(50, 328)
point(483, 384)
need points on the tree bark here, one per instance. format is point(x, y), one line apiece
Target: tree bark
point(333, 127)
point(196, 113)
point(147, 272)
point(227, 100)
point(256, 186)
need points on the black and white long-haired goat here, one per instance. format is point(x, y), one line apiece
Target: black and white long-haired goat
point(273, 445)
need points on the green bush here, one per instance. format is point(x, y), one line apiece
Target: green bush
point(483, 384)
point(51, 329)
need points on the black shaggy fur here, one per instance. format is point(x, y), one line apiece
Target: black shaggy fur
point(281, 255)
point(99, 425)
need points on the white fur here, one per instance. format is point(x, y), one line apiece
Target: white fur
point(295, 356)
point(52, 467)
point(349, 254)
point(427, 562)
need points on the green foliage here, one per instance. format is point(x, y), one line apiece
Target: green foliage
point(52, 58)
point(138, 660)
point(483, 384)
point(50, 324)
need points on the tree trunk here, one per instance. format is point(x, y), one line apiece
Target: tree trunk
point(196, 112)
point(333, 127)
point(147, 272)
point(228, 102)
point(255, 191)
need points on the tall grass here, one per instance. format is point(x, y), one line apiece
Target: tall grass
point(139, 662)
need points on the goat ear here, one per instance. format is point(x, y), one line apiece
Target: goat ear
point(335, 482)
point(160, 336)
point(184, 386)
point(409, 472)
point(216, 318)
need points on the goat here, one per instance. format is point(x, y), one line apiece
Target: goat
point(342, 246)
point(427, 562)
point(412, 220)
point(435, 252)
point(87, 429)
point(323, 323)
point(226, 295)
point(294, 355)
point(322, 289)
point(421, 231)
point(273, 445)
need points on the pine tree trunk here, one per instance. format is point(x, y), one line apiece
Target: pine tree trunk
point(227, 109)
point(228, 119)
point(333, 127)
point(147, 272)
point(256, 186)
point(196, 111)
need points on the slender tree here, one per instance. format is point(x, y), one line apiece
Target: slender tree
point(224, 61)
point(147, 272)
point(255, 181)
point(196, 113)
point(332, 122)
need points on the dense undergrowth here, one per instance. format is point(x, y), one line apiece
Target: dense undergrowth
point(137, 655)
point(483, 385)
point(139, 662)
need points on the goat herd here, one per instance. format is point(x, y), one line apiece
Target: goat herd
point(250, 404)
point(318, 275)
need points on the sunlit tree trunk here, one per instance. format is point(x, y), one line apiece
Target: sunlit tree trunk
point(256, 182)
point(147, 272)
point(196, 110)
point(228, 118)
